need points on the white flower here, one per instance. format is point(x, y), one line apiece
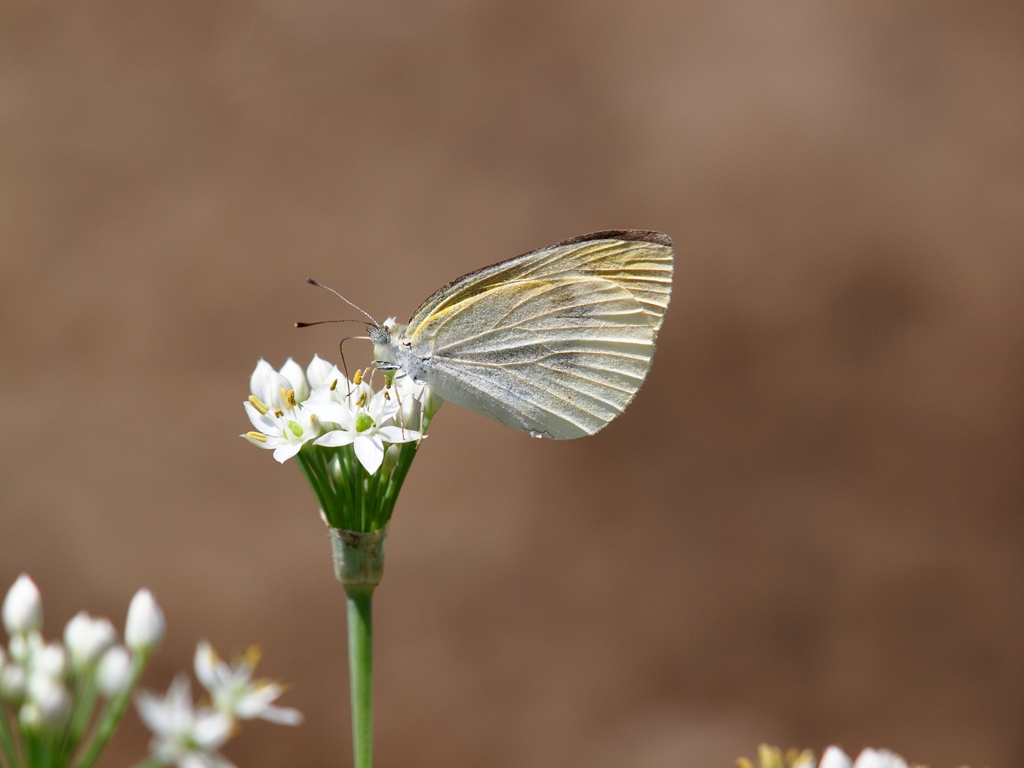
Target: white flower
point(87, 639)
point(145, 626)
point(366, 427)
point(182, 735)
point(114, 673)
point(233, 690)
point(283, 431)
point(23, 607)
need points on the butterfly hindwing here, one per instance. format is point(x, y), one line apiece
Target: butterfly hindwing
point(560, 356)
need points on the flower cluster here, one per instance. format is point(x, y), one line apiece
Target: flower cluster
point(834, 757)
point(68, 698)
point(354, 443)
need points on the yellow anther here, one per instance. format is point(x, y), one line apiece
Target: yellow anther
point(288, 395)
point(334, 385)
point(744, 762)
point(358, 378)
point(259, 437)
point(252, 655)
point(362, 399)
point(279, 413)
point(259, 405)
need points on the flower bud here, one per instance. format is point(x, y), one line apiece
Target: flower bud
point(834, 757)
point(50, 660)
point(144, 629)
point(297, 378)
point(114, 673)
point(23, 607)
point(87, 639)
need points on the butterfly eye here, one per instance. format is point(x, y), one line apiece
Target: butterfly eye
point(407, 344)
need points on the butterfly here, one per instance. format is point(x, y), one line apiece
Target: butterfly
point(555, 342)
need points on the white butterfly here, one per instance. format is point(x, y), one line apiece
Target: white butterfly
point(555, 342)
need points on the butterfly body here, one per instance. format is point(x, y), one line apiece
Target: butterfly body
point(555, 342)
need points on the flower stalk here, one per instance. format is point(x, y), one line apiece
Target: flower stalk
point(354, 445)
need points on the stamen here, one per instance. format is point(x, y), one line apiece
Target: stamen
point(259, 405)
point(259, 437)
point(288, 395)
point(358, 378)
point(362, 399)
point(279, 413)
point(334, 385)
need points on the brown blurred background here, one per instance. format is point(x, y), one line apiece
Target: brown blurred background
point(807, 529)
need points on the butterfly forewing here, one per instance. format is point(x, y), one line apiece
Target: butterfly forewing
point(637, 260)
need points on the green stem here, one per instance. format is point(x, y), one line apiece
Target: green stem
point(360, 670)
point(111, 715)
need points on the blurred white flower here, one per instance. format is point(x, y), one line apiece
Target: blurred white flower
point(87, 639)
point(50, 696)
point(145, 626)
point(114, 673)
point(233, 691)
point(23, 607)
point(182, 735)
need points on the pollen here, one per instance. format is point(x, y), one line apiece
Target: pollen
point(259, 405)
point(358, 378)
point(288, 395)
point(259, 437)
point(361, 402)
point(279, 413)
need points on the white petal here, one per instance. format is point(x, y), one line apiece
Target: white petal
point(320, 372)
point(398, 435)
point(297, 378)
point(370, 452)
point(282, 715)
point(335, 438)
point(212, 729)
point(260, 377)
point(834, 757)
point(206, 664)
point(328, 410)
point(285, 451)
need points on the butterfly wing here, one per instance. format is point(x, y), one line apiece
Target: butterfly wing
point(557, 356)
point(639, 261)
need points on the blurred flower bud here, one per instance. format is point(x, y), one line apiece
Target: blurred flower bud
point(12, 682)
point(114, 673)
point(834, 757)
point(23, 607)
point(51, 697)
point(144, 629)
point(87, 639)
point(50, 660)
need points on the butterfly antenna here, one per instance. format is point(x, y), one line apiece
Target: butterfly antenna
point(321, 322)
point(311, 281)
